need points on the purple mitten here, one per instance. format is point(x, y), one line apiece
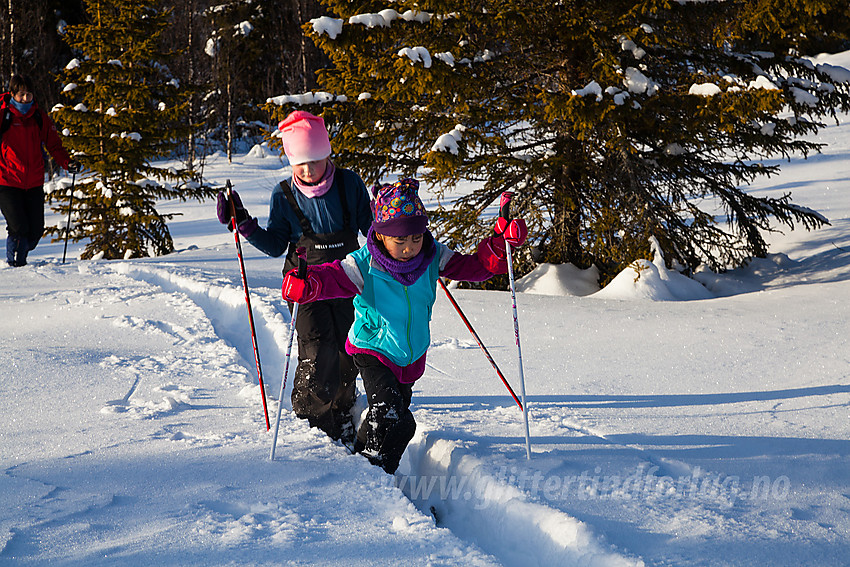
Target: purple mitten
point(223, 211)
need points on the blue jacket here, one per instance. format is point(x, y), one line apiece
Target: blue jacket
point(324, 214)
point(391, 318)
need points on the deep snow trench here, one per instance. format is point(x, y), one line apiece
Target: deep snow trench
point(437, 474)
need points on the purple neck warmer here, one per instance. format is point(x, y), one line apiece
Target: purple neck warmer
point(405, 273)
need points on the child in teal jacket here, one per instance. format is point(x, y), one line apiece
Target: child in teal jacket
point(393, 279)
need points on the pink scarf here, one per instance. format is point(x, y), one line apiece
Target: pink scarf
point(313, 190)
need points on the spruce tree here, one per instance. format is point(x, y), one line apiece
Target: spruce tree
point(122, 114)
point(252, 47)
point(613, 122)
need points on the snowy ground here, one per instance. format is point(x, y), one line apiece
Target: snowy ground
point(670, 425)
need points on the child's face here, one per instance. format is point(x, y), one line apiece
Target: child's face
point(402, 248)
point(311, 171)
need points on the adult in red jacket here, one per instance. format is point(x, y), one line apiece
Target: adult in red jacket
point(22, 167)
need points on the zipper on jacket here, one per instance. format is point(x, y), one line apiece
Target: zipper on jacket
point(409, 318)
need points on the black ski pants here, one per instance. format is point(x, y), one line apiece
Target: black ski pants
point(24, 214)
point(389, 425)
point(323, 388)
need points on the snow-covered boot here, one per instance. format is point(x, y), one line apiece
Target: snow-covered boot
point(347, 433)
point(22, 251)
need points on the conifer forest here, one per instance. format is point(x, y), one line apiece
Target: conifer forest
point(618, 125)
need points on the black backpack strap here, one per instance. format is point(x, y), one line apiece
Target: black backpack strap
point(5, 121)
point(306, 227)
point(6, 118)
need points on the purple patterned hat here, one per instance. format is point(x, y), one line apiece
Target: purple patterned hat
point(397, 209)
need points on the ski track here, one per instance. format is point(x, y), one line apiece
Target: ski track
point(499, 518)
point(436, 472)
point(225, 307)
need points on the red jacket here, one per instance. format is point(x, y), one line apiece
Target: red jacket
point(21, 160)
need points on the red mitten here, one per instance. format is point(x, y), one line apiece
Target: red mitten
point(514, 231)
point(300, 290)
point(492, 255)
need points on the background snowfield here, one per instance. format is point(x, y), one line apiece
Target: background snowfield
point(671, 423)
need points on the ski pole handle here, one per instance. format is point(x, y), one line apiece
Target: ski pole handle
point(505, 205)
point(229, 193)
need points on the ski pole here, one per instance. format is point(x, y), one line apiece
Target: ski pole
point(302, 273)
point(247, 300)
point(480, 344)
point(504, 207)
point(70, 208)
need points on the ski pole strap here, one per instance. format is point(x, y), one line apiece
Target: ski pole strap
point(302, 262)
point(504, 212)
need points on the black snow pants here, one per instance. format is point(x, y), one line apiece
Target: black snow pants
point(389, 425)
point(323, 390)
point(24, 214)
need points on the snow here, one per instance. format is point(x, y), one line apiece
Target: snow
point(592, 88)
point(384, 18)
point(763, 82)
point(705, 89)
point(305, 98)
point(417, 54)
point(211, 47)
point(244, 28)
point(559, 279)
point(836, 73)
point(637, 82)
point(449, 142)
point(804, 97)
point(328, 25)
point(369, 20)
point(672, 422)
point(446, 57)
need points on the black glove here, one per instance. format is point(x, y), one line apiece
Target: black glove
point(74, 166)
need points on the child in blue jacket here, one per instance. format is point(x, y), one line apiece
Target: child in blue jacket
point(393, 279)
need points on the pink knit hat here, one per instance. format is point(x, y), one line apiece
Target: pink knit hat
point(305, 137)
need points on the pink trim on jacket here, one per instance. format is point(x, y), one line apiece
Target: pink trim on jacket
point(404, 374)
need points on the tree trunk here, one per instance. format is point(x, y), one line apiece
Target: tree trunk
point(10, 20)
point(229, 103)
point(566, 218)
point(190, 55)
point(303, 47)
